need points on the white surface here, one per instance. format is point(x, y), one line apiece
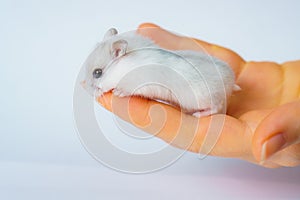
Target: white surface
point(44, 43)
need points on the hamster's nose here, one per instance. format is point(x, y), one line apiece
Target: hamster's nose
point(83, 83)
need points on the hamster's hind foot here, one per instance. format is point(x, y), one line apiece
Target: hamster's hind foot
point(205, 112)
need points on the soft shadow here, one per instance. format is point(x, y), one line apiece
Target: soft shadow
point(234, 169)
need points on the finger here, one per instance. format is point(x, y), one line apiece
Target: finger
point(172, 41)
point(160, 36)
point(153, 117)
point(288, 157)
point(218, 135)
point(280, 129)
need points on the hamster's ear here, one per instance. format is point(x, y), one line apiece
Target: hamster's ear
point(119, 48)
point(110, 32)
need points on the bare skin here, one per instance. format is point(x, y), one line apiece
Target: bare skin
point(262, 124)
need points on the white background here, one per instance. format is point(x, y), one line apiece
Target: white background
point(43, 45)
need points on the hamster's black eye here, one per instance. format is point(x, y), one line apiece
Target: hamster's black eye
point(97, 73)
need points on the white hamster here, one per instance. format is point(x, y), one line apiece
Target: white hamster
point(130, 64)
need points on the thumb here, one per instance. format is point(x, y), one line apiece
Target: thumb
point(280, 129)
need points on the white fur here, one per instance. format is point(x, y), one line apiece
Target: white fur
point(196, 82)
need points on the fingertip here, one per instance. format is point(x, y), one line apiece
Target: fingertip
point(257, 146)
point(105, 100)
point(268, 127)
point(150, 30)
point(160, 36)
point(148, 25)
point(260, 140)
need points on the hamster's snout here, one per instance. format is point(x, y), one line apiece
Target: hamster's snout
point(93, 90)
point(87, 87)
point(83, 83)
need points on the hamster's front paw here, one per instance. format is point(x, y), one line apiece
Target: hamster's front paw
point(208, 111)
point(120, 93)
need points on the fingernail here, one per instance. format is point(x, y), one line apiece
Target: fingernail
point(271, 146)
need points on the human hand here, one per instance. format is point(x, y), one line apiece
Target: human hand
point(262, 124)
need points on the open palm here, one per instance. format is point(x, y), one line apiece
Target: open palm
point(262, 124)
